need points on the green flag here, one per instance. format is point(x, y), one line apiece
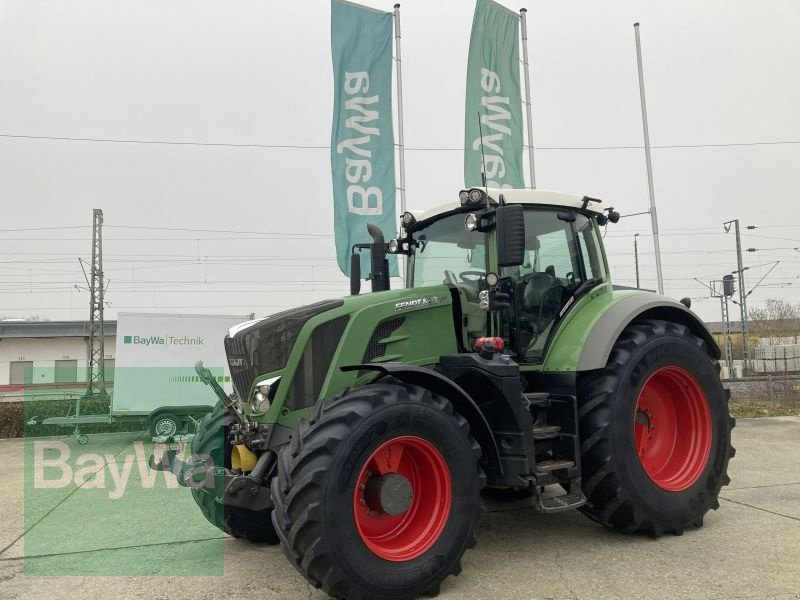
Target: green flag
point(493, 92)
point(362, 139)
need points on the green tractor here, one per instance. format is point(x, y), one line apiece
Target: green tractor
point(364, 429)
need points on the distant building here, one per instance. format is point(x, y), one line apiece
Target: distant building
point(49, 354)
point(716, 329)
point(767, 355)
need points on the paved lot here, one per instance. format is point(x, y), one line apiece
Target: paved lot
point(750, 548)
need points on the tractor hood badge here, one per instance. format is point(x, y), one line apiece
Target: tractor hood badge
point(418, 303)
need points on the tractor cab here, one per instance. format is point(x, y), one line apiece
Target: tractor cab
point(557, 257)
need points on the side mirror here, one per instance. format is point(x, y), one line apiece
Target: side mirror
point(510, 221)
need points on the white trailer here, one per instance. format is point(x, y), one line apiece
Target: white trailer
point(154, 378)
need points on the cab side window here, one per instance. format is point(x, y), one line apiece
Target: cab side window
point(590, 250)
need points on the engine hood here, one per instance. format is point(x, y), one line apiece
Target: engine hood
point(264, 345)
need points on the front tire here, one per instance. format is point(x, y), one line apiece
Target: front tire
point(655, 431)
point(377, 495)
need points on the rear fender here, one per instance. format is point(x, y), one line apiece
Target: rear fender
point(607, 329)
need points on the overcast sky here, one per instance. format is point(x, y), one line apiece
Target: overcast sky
point(259, 72)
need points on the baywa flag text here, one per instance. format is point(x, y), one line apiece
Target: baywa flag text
point(494, 98)
point(362, 139)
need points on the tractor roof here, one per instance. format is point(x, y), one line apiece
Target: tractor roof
point(514, 196)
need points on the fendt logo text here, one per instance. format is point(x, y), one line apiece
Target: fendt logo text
point(419, 302)
point(167, 340)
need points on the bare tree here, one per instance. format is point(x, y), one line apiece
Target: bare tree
point(776, 323)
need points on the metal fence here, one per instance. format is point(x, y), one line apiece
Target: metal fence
point(778, 388)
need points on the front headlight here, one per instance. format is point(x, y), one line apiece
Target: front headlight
point(483, 299)
point(263, 395)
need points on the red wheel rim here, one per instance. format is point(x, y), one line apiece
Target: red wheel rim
point(672, 428)
point(406, 536)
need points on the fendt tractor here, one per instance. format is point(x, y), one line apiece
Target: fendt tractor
point(363, 430)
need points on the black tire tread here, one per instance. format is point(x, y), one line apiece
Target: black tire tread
point(313, 447)
point(608, 502)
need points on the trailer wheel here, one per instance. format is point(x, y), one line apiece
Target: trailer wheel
point(378, 494)
point(165, 425)
point(212, 440)
point(655, 431)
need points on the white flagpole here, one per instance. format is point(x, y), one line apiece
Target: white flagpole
point(524, 29)
point(653, 215)
point(400, 142)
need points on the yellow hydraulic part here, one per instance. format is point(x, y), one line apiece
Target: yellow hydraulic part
point(242, 458)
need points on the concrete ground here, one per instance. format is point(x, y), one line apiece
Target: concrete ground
point(750, 548)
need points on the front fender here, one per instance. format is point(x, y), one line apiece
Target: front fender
point(461, 401)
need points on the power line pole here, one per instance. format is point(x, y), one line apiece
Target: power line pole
point(723, 289)
point(636, 256)
point(95, 365)
point(727, 292)
point(653, 214)
point(742, 293)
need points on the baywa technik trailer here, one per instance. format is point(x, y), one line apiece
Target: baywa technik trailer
point(155, 382)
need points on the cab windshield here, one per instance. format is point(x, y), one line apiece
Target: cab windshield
point(447, 253)
point(562, 252)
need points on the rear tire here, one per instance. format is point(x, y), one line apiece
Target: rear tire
point(331, 528)
point(655, 431)
point(212, 440)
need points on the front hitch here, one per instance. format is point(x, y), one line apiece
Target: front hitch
point(209, 379)
point(190, 475)
point(227, 487)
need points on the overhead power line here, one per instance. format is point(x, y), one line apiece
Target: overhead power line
point(45, 228)
point(196, 230)
point(408, 148)
point(283, 234)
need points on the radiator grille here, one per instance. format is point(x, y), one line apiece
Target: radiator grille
point(242, 374)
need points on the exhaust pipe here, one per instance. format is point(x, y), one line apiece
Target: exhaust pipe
point(379, 262)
